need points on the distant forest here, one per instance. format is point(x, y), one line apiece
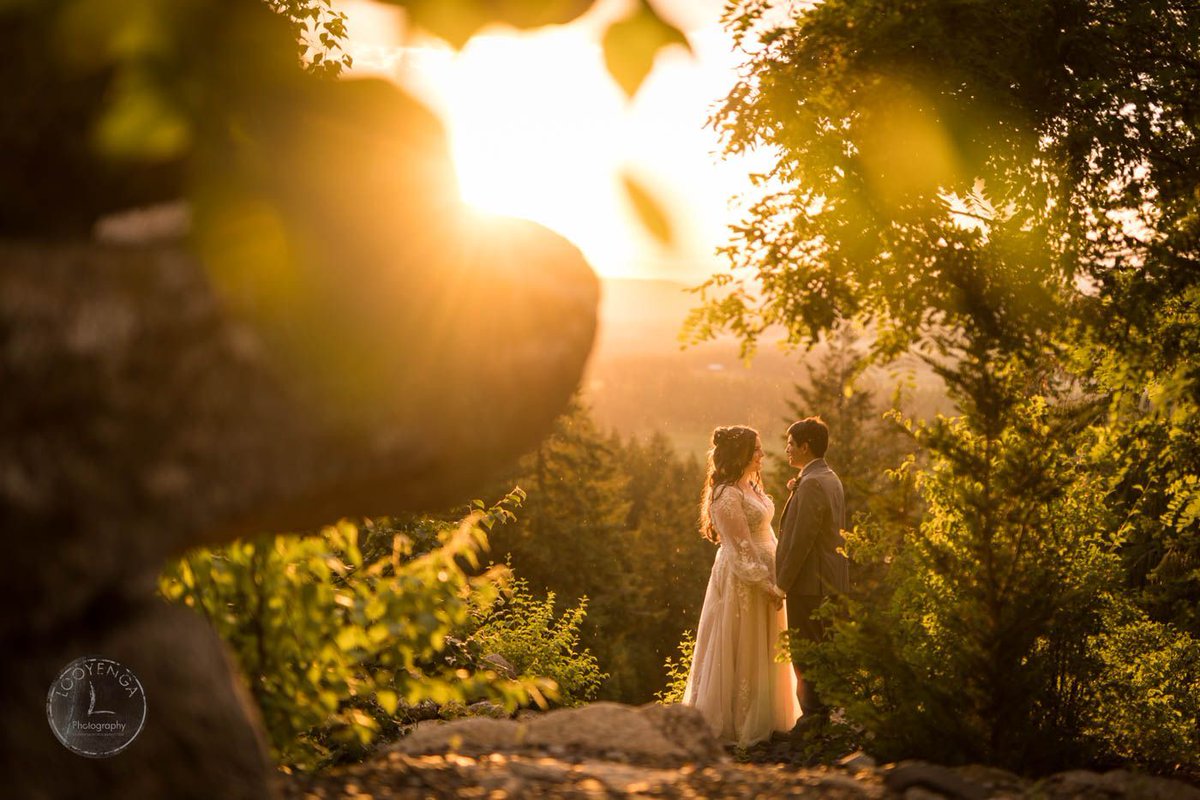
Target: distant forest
point(641, 380)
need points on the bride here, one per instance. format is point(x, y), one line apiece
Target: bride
point(735, 680)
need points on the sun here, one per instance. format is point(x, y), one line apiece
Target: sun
point(540, 143)
point(540, 130)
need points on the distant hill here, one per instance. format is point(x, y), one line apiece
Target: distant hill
point(643, 315)
point(640, 380)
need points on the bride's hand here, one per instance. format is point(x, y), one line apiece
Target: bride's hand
point(777, 596)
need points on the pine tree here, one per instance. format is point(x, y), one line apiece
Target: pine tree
point(865, 444)
point(995, 624)
point(615, 522)
point(671, 561)
point(571, 537)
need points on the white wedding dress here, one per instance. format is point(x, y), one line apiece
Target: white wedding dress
point(735, 680)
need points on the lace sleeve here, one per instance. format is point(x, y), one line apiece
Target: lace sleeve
point(749, 562)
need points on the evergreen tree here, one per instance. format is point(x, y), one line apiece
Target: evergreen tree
point(975, 645)
point(864, 442)
point(671, 561)
point(615, 522)
point(571, 538)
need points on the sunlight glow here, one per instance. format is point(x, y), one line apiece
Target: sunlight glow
point(539, 130)
point(548, 152)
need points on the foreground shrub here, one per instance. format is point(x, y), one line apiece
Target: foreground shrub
point(677, 670)
point(332, 643)
point(523, 630)
point(1000, 632)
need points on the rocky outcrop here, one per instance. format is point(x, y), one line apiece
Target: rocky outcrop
point(141, 416)
point(395, 775)
point(1118, 783)
point(610, 750)
point(653, 734)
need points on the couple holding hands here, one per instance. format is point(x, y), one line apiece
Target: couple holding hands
point(760, 585)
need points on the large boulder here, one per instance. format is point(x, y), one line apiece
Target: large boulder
point(332, 334)
point(161, 396)
point(200, 737)
point(141, 416)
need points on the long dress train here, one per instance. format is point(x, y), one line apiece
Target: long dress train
point(735, 680)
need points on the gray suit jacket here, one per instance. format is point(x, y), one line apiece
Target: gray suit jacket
point(807, 560)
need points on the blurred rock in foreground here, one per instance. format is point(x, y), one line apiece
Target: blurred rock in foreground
point(578, 753)
point(140, 416)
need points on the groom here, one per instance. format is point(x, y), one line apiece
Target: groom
point(808, 563)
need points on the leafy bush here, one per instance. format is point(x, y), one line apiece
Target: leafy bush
point(332, 642)
point(1148, 708)
point(677, 670)
point(974, 647)
point(1000, 632)
point(522, 629)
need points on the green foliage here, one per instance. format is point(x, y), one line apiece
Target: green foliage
point(630, 44)
point(623, 516)
point(523, 630)
point(1149, 451)
point(320, 34)
point(575, 515)
point(975, 646)
point(677, 669)
point(116, 104)
point(1010, 189)
point(456, 21)
point(1000, 632)
point(332, 642)
point(1148, 706)
point(670, 561)
point(946, 167)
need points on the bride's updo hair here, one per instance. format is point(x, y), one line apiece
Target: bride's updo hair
point(731, 452)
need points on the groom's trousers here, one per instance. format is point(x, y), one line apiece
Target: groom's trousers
point(800, 610)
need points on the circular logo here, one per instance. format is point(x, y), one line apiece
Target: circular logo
point(96, 706)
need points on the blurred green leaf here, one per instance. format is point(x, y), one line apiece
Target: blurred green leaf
point(631, 45)
point(388, 700)
point(456, 21)
point(141, 122)
point(649, 212)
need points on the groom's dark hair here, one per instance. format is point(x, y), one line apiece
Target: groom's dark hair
point(812, 430)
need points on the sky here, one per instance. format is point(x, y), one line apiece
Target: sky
point(539, 129)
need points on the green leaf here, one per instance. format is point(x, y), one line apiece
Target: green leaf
point(141, 122)
point(457, 21)
point(649, 211)
point(388, 699)
point(631, 45)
